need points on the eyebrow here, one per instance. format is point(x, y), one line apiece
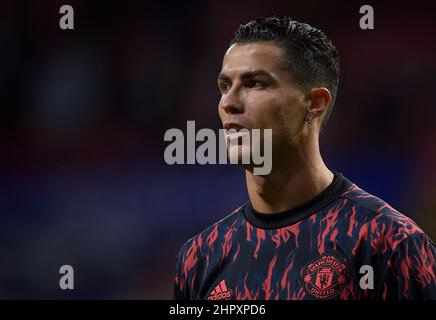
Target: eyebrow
point(248, 74)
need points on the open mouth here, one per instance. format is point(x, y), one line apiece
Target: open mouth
point(234, 127)
point(235, 133)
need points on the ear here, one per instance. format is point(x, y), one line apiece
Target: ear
point(320, 99)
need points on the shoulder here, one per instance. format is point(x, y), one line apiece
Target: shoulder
point(211, 234)
point(378, 218)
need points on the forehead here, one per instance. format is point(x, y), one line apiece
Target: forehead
point(241, 57)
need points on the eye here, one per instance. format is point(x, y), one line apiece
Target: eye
point(256, 84)
point(224, 86)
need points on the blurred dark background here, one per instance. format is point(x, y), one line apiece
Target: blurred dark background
point(84, 112)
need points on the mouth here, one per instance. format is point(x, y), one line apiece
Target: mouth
point(232, 125)
point(235, 131)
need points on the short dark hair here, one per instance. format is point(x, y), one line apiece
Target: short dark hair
point(311, 57)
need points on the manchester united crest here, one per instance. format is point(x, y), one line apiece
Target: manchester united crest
point(325, 277)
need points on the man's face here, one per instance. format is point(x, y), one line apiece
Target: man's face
point(257, 92)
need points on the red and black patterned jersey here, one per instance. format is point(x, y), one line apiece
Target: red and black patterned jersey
point(344, 244)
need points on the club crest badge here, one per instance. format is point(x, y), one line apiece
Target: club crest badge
point(326, 276)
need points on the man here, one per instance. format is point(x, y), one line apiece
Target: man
point(307, 232)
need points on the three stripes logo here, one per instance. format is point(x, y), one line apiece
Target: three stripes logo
point(220, 292)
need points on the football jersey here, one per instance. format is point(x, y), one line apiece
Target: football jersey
point(343, 244)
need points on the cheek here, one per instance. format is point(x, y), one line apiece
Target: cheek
point(286, 119)
point(292, 112)
point(263, 110)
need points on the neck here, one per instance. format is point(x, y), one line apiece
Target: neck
point(296, 178)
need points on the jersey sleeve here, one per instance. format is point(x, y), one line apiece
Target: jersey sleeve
point(411, 270)
point(180, 285)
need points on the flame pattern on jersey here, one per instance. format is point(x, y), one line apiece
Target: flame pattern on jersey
point(317, 254)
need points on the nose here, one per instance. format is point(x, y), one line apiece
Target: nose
point(231, 102)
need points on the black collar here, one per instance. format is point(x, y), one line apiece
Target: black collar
point(289, 217)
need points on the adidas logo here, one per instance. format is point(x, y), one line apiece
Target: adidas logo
point(220, 292)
